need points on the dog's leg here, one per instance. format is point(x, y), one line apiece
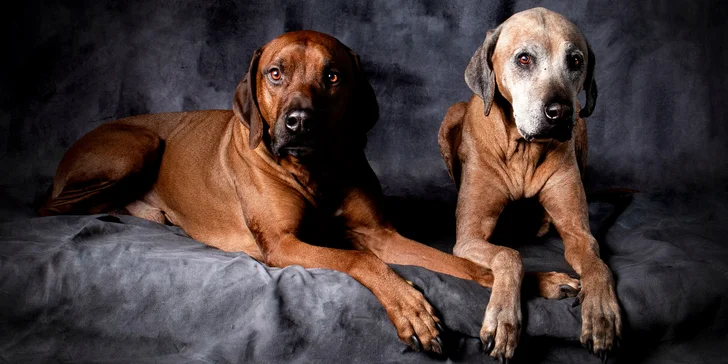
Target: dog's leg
point(449, 138)
point(479, 206)
point(564, 199)
point(107, 168)
point(394, 248)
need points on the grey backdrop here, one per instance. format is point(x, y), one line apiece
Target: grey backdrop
point(70, 66)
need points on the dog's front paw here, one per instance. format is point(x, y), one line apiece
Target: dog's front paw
point(502, 325)
point(601, 321)
point(413, 317)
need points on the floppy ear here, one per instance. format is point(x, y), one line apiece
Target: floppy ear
point(364, 109)
point(479, 73)
point(245, 103)
point(590, 85)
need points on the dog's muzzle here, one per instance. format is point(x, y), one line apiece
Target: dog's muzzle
point(296, 134)
point(557, 123)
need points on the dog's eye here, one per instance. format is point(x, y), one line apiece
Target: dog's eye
point(575, 61)
point(275, 74)
point(332, 77)
point(524, 59)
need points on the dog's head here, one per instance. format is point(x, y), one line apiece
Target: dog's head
point(303, 92)
point(538, 61)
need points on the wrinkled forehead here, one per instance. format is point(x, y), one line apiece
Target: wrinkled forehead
point(540, 31)
point(290, 53)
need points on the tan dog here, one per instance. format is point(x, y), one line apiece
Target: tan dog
point(513, 140)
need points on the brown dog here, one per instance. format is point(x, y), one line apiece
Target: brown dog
point(257, 178)
point(513, 140)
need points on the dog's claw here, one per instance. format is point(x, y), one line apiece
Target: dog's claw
point(501, 359)
point(603, 355)
point(567, 291)
point(436, 344)
point(488, 344)
point(439, 328)
point(416, 343)
point(577, 302)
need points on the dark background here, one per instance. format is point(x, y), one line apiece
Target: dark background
point(69, 66)
point(659, 126)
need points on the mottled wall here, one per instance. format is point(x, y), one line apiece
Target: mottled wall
point(660, 121)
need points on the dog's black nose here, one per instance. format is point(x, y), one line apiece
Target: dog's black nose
point(556, 111)
point(298, 121)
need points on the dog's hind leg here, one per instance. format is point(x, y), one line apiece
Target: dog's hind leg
point(449, 139)
point(107, 168)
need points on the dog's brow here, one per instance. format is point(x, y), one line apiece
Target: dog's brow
point(527, 48)
point(572, 48)
point(329, 64)
point(279, 63)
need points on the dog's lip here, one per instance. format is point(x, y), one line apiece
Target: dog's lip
point(298, 151)
point(547, 137)
point(562, 134)
point(537, 138)
point(528, 137)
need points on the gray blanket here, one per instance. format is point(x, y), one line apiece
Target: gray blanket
point(120, 289)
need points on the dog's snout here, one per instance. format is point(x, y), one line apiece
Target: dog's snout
point(296, 132)
point(299, 120)
point(556, 111)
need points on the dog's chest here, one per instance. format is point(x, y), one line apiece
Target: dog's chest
point(525, 169)
point(320, 190)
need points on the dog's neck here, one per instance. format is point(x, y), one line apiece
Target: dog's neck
point(509, 143)
point(501, 146)
point(312, 177)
